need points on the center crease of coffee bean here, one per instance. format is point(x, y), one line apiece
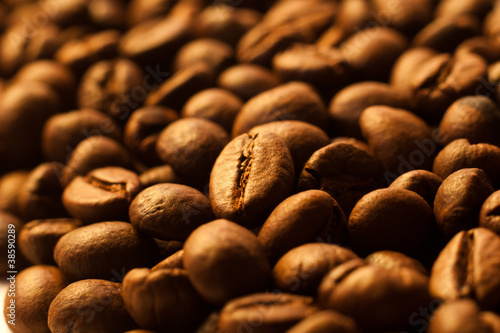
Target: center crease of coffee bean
point(244, 167)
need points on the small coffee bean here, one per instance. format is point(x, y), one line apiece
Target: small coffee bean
point(224, 261)
point(217, 54)
point(90, 305)
point(247, 80)
point(159, 174)
point(10, 187)
point(395, 261)
point(102, 195)
point(491, 26)
point(407, 16)
point(405, 67)
point(251, 176)
point(265, 312)
point(105, 250)
point(465, 267)
point(34, 289)
point(486, 47)
point(324, 322)
point(301, 269)
point(390, 219)
point(305, 217)
point(139, 11)
point(449, 8)
point(489, 216)
point(38, 238)
point(170, 211)
point(422, 182)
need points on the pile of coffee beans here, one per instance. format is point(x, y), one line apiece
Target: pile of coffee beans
point(250, 166)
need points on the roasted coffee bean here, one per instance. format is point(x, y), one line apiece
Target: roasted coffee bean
point(180, 307)
point(170, 211)
point(422, 182)
point(28, 304)
point(139, 11)
point(361, 291)
point(348, 104)
point(143, 129)
point(10, 187)
point(400, 140)
point(406, 16)
point(476, 118)
point(301, 269)
point(465, 267)
point(305, 217)
point(395, 261)
point(64, 131)
point(406, 65)
point(159, 174)
point(40, 195)
point(477, 8)
point(90, 305)
point(463, 316)
point(290, 101)
point(37, 239)
point(218, 55)
point(324, 322)
point(266, 312)
point(251, 176)
point(114, 87)
point(488, 48)
point(102, 195)
point(177, 89)
point(390, 219)
point(224, 261)
point(247, 80)
point(459, 200)
point(461, 154)
point(489, 216)
point(173, 261)
point(93, 153)
point(301, 138)
point(347, 171)
point(218, 105)
point(371, 53)
point(107, 14)
point(191, 146)
point(105, 250)
point(491, 26)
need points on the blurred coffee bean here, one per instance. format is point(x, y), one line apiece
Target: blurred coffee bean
point(10, 187)
point(326, 321)
point(489, 216)
point(218, 55)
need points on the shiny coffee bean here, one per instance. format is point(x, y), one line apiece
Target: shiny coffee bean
point(422, 182)
point(489, 216)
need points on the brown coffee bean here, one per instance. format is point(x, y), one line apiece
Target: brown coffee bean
point(324, 322)
point(406, 16)
point(422, 182)
point(348, 104)
point(218, 105)
point(390, 219)
point(459, 200)
point(465, 267)
point(371, 53)
point(170, 211)
point(180, 307)
point(290, 101)
point(114, 87)
point(477, 8)
point(489, 216)
point(491, 26)
point(301, 138)
point(247, 80)
point(176, 90)
point(362, 292)
point(476, 118)
point(395, 261)
point(401, 141)
point(461, 154)
point(38, 238)
point(90, 305)
point(301, 269)
point(34, 289)
point(139, 11)
point(217, 54)
point(10, 187)
point(345, 170)
point(251, 176)
point(105, 250)
point(445, 33)
point(486, 47)
point(143, 129)
point(64, 131)
point(40, 195)
point(405, 67)
point(159, 174)
point(171, 262)
point(107, 14)
point(263, 313)
point(224, 261)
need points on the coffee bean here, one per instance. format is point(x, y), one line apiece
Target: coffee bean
point(35, 288)
point(38, 238)
point(422, 182)
point(139, 11)
point(390, 219)
point(489, 216)
point(173, 261)
point(491, 26)
point(105, 250)
point(251, 176)
point(406, 16)
point(10, 187)
point(93, 305)
point(102, 195)
point(159, 174)
point(224, 261)
point(449, 8)
point(218, 55)
point(464, 269)
point(395, 261)
point(405, 67)
point(265, 312)
point(326, 321)
point(170, 211)
point(180, 306)
point(301, 269)
point(485, 47)
point(305, 217)
point(247, 80)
